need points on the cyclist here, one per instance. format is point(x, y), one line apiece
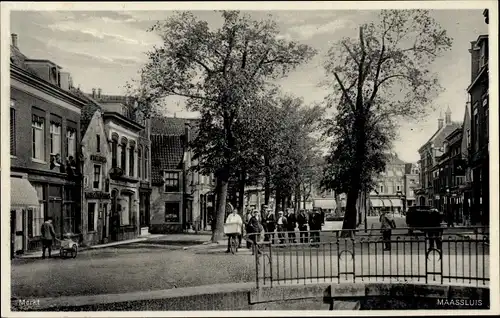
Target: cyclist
point(233, 217)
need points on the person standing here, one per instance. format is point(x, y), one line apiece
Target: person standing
point(435, 232)
point(248, 217)
point(282, 226)
point(315, 222)
point(48, 236)
point(291, 223)
point(234, 218)
point(253, 232)
point(270, 226)
point(302, 222)
point(386, 225)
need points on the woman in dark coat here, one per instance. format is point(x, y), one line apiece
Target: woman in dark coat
point(253, 231)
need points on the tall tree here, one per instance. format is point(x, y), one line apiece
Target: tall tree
point(218, 71)
point(378, 78)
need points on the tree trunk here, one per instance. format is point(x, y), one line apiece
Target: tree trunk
point(222, 184)
point(267, 182)
point(338, 208)
point(355, 184)
point(297, 199)
point(277, 200)
point(241, 191)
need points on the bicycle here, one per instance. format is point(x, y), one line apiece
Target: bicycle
point(232, 230)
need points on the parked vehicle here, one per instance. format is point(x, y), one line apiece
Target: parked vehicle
point(422, 216)
point(68, 247)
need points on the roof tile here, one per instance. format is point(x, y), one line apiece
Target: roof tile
point(167, 153)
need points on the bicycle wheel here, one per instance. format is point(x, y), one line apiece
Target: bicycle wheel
point(233, 245)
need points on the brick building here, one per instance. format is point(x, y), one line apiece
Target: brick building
point(44, 139)
point(429, 152)
point(479, 151)
point(388, 194)
point(181, 199)
point(411, 183)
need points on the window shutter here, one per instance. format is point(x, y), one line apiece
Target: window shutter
point(12, 131)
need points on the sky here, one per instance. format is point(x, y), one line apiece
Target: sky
point(105, 49)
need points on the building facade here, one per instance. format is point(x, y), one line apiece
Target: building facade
point(411, 183)
point(46, 177)
point(479, 151)
point(427, 194)
point(451, 176)
point(388, 195)
point(182, 199)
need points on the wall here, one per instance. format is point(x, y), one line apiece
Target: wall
point(89, 146)
point(287, 297)
point(24, 103)
point(158, 199)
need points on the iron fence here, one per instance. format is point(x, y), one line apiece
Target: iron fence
point(439, 255)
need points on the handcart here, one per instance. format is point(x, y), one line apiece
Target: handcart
point(68, 247)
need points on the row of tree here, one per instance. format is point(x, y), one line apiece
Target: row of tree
point(249, 131)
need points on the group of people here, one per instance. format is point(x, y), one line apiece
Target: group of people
point(284, 225)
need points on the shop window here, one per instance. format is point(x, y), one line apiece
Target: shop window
point(91, 216)
point(139, 162)
point(36, 215)
point(172, 212)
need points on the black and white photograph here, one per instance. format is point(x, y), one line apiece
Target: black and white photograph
point(229, 158)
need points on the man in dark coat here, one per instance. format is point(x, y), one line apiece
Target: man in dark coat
point(435, 232)
point(253, 231)
point(270, 225)
point(302, 221)
point(291, 223)
point(315, 222)
point(48, 236)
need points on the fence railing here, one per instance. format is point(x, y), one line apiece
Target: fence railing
point(439, 255)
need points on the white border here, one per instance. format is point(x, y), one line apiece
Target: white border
point(353, 5)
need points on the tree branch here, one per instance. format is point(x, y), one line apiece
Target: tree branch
point(350, 53)
point(359, 95)
point(345, 92)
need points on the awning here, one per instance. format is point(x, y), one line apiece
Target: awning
point(22, 193)
point(376, 203)
point(395, 203)
point(325, 204)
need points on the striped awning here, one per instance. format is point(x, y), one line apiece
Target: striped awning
point(22, 193)
point(376, 203)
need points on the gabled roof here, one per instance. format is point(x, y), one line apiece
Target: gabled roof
point(172, 126)
point(439, 136)
point(167, 153)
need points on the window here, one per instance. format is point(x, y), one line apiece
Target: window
point(381, 189)
point(114, 153)
point(171, 182)
point(91, 215)
point(38, 140)
point(172, 214)
point(468, 138)
point(98, 143)
point(12, 128)
point(486, 123)
point(398, 188)
point(131, 161)
point(37, 216)
point(139, 162)
point(97, 177)
point(146, 164)
point(55, 138)
point(71, 142)
point(124, 208)
point(123, 156)
point(476, 130)
point(483, 54)
point(69, 209)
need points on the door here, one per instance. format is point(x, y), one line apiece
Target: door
point(104, 221)
point(17, 230)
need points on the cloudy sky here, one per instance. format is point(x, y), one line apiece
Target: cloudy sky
point(106, 49)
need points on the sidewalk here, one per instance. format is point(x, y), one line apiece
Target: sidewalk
point(55, 252)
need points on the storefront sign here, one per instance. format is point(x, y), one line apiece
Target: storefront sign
point(97, 195)
point(98, 158)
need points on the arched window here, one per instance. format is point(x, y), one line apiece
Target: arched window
point(139, 162)
point(146, 163)
point(131, 159)
point(123, 154)
point(114, 150)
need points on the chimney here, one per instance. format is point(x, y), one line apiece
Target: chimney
point(486, 16)
point(448, 116)
point(187, 133)
point(14, 39)
point(93, 92)
point(99, 93)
